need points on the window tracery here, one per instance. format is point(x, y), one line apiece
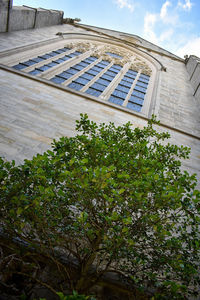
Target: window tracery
point(106, 72)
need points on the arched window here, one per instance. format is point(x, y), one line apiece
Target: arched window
point(102, 71)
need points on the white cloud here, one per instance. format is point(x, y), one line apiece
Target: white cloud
point(186, 6)
point(163, 11)
point(125, 4)
point(192, 47)
point(166, 35)
point(161, 18)
point(149, 22)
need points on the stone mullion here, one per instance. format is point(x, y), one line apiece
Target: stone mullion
point(131, 89)
point(96, 77)
point(68, 81)
point(107, 92)
point(49, 60)
point(67, 64)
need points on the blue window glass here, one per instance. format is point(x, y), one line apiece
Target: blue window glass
point(72, 71)
point(134, 106)
point(93, 92)
point(140, 88)
point(93, 58)
point(40, 58)
point(53, 53)
point(112, 74)
point(61, 60)
point(113, 70)
point(134, 99)
point(123, 88)
point(65, 75)
point(138, 94)
point(37, 59)
point(52, 64)
point(75, 86)
point(128, 79)
point(143, 84)
point(95, 68)
point(116, 100)
point(98, 87)
point(114, 55)
point(65, 57)
point(78, 67)
point(103, 81)
point(29, 62)
point(35, 72)
point(117, 67)
point(82, 80)
point(45, 56)
point(119, 94)
point(132, 73)
point(107, 77)
point(105, 62)
point(19, 66)
point(92, 72)
point(57, 79)
point(126, 83)
point(43, 68)
point(87, 76)
point(84, 64)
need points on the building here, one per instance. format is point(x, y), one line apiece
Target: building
point(52, 69)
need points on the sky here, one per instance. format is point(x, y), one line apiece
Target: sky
point(171, 24)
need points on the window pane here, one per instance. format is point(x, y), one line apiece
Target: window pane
point(123, 88)
point(138, 94)
point(29, 63)
point(119, 94)
point(93, 92)
point(140, 88)
point(45, 56)
point(134, 107)
point(87, 76)
point(93, 72)
point(143, 84)
point(75, 86)
point(35, 72)
point(98, 87)
point(37, 59)
point(116, 100)
point(134, 99)
point(43, 68)
point(107, 77)
point(57, 79)
point(82, 80)
point(103, 81)
point(64, 75)
point(52, 64)
point(126, 83)
point(114, 54)
point(19, 66)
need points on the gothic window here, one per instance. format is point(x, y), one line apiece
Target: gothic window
point(118, 77)
point(38, 59)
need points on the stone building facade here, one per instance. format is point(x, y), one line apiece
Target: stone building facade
point(51, 74)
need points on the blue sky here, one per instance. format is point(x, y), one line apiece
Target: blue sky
point(171, 24)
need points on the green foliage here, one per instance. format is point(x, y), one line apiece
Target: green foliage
point(75, 296)
point(113, 198)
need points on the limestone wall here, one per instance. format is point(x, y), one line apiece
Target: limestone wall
point(33, 112)
point(13, 18)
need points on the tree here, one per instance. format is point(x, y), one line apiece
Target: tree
point(111, 199)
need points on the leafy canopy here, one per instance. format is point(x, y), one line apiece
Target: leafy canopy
point(115, 200)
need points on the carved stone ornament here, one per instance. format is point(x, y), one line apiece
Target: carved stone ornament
point(127, 57)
